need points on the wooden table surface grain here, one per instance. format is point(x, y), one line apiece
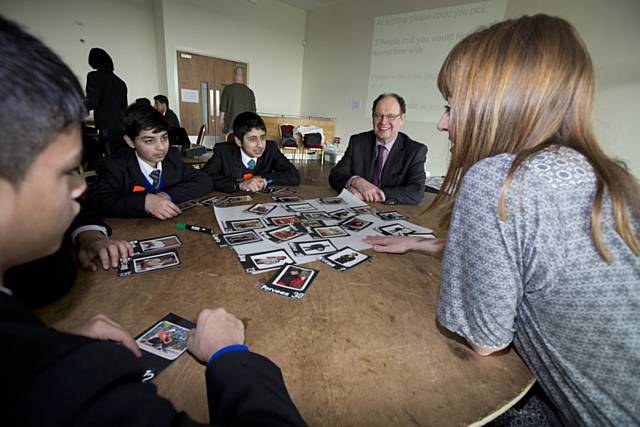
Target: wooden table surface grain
point(362, 348)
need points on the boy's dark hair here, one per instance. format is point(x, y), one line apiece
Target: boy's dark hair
point(143, 101)
point(139, 117)
point(99, 59)
point(246, 121)
point(39, 97)
point(403, 105)
point(162, 99)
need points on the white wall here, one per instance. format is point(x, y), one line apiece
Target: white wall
point(338, 49)
point(267, 35)
point(124, 28)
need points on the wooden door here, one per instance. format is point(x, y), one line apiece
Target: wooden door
point(201, 80)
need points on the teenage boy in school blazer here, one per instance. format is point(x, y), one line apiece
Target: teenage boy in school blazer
point(149, 179)
point(252, 163)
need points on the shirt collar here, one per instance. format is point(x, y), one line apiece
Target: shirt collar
point(246, 158)
point(146, 169)
point(388, 145)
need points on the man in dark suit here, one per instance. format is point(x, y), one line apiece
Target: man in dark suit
point(107, 96)
point(252, 163)
point(383, 165)
point(92, 375)
point(161, 103)
point(150, 178)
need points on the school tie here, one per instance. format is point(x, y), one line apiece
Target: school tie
point(155, 176)
point(377, 168)
point(251, 164)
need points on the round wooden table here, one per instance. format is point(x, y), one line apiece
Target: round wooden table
point(361, 349)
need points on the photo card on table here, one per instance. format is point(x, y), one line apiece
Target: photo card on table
point(328, 232)
point(316, 216)
point(163, 343)
point(238, 199)
point(285, 233)
point(286, 199)
point(284, 219)
point(332, 201)
point(396, 229)
point(265, 261)
point(188, 205)
point(285, 191)
point(292, 281)
point(390, 215)
point(213, 201)
point(235, 239)
point(344, 259)
point(260, 209)
point(244, 224)
point(148, 263)
point(362, 210)
point(342, 214)
point(356, 223)
point(312, 247)
point(300, 207)
point(155, 244)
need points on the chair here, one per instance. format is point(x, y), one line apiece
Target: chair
point(312, 143)
point(201, 132)
point(287, 141)
point(230, 137)
point(178, 136)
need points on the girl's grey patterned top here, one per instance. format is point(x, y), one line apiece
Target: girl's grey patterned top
point(536, 279)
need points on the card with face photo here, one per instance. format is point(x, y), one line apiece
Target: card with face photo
point(291, 281)
point(238, 199)
point(396, 230)
point(315, 216)
point(332, 201)
point(285, 233)
point(284, 220)
point(344, 259)
point(312, 224)
point(213, 201)
point(187, 205)
point(300, 207)
point(155, 244)
point(342, 214)
point(390, 215)
point(261, 209)
point(285, 191)
point(265, 261)
point(328, 232)
point(235, 239)
point(356, 224)
point(244, 224)
point(286, 199)
point(313, 247)
point(364, 210)
point(155, 262)
point(171, 342)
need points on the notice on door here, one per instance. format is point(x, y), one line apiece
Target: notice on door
point(190, 95)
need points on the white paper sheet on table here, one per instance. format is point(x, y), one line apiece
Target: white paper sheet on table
point(354, 240)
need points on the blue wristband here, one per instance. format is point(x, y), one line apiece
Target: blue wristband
point(227, 349)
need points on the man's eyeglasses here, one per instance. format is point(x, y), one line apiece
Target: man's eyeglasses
point(390, 117)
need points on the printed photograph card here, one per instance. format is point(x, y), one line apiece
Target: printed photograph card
point(291, 281)
point(344, 259)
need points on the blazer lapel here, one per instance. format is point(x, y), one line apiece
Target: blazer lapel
point(236, 162)
point(135, 173)
point(370, 156)
point(395, 157)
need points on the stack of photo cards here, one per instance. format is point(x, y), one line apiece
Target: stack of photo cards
point(287, 232)
point(332, 201)
point(284, 220)
point(291, 281)
point(265, 261)
point(148, 263)
point(213, 201)
point(344, 259)
point(155, 244)
point(260, 209)
point(235, 239)
point(312, 247)
point(163, 343)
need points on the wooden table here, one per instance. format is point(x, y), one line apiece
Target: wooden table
point(198, 160)
point(361, 349)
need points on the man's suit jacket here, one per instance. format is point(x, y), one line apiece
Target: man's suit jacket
point(226, 169)
point(107, 96)
point(114, 192)
point(172, 119)
point(57, 379)
point(403, 175)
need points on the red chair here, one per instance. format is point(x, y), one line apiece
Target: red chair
point(287, 139)
point(313, 143)
point(230, 137)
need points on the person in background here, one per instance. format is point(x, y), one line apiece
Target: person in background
point(542, 248)
point(236, 98)
point(161, 103)
point(107, 97)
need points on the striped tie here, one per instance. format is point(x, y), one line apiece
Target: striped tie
point(251, 164)
point(155, 176)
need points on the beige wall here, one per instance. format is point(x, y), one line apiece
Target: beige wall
point(337, 59)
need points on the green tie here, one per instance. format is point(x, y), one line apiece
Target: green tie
point(251, 164)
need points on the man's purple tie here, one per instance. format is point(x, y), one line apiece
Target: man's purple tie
point(377, 168)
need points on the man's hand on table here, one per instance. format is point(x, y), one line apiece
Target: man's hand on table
point(215, 329)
